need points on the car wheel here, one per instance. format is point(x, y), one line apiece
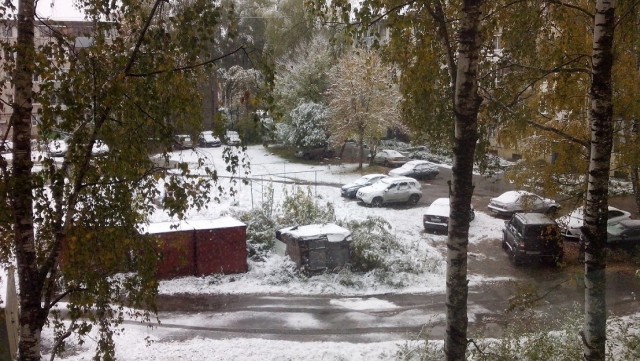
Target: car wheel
point(386, 164)
point(472, 216)
point(552, 211)
point(557, 259)
point(516, 259)
point(376, 202)
point(413, 200)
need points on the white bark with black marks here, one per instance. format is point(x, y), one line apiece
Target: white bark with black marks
point(467, 102)
point(595, 220)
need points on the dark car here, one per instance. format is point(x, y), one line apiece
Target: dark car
point(418, 169)
point(349, 190)
point(624, 234)
point(315, 153)
point(206, 139)
point(532, 236)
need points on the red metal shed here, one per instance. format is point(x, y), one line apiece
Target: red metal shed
point(200, 248)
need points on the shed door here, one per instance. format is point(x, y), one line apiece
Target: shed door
point(317, 254)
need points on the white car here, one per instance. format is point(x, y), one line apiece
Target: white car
point(57, 148)
point(570, 224)
point(512, 202)
point(349, 190)
point(231, 137)
point(99, 148)
point(206, 139)
point(436, 218)
point(6, 146)
point(391, 190)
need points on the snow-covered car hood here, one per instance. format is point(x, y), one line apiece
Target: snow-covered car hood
point(400, 171)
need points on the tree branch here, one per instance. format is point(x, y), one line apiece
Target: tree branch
point(553, 130)
point(136, 48)
point(186, 67)
point(61, 339)
point(571, 6)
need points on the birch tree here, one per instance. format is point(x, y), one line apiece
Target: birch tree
point(75, 219)
point(363, 100)
point(595, 219)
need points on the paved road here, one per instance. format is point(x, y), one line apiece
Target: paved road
point(391, 316)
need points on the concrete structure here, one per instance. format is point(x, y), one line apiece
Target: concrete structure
point(317, 248)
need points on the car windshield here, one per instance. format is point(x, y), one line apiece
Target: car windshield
point(615, 229)
point(382, 184)
point(393, 154)
point(208, 137)
point(361, 181)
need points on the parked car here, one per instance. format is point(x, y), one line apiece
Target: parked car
point(391, 190)
point(512, 202)
point(570, 224)
point(57, 148)
point(349, 190)
point(436, 218)
point(624, 234)
point(390, 158)
point(419, 169)
point(99, 148)
point(315, 153)
point(182, 141)
point(231, 137)
point(206, 139)
point(6, 146)
point(529, 236)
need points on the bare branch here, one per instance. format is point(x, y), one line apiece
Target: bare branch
point(571, 6)
point(136, 48)
point(60, 340)
point(558, 132)
point(187, 67)
point(629, 12)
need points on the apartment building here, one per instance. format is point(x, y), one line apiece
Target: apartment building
point(45, 33)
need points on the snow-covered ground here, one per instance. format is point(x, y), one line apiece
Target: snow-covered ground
point(268, 171)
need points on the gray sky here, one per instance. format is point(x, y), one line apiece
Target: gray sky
point(58, 10)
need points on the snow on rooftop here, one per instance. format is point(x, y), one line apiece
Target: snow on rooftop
point(191, 225)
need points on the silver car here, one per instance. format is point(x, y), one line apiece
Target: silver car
point(390, 158)
point(391, 190)
point(512, 202)
point(349, 190)
point(570, 224)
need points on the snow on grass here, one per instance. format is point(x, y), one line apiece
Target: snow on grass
point(275, 275)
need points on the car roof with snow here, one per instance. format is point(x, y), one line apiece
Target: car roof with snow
point(511, 196)
point(415, 162)
point(439, 207)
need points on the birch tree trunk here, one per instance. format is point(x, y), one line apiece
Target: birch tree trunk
point(595, 220)
point(466, 105)
point(32, 316)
